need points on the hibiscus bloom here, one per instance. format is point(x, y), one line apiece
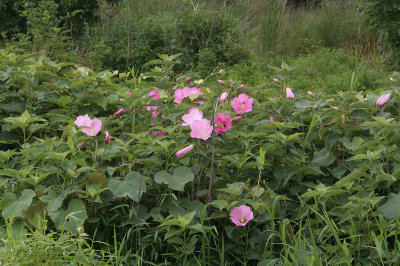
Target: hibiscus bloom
point(289, 93)
point(117, 113)
point(241, 215)
point(194, 114)
point(184, 151)
point(223, 97)
point(383, 99)
point(155, 95)
point(108, 137)
point(223, 123)
point(242, 104)
point(201, 129)
point(92, 126)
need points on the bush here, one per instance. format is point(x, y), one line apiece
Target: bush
point(382, 18)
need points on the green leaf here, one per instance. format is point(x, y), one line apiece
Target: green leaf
point(132, 186)
point(102, 101)
point(354, 145)
point(391, 207)
point(323, 158)
point(14, 207)
point(182, 175)
point(177, 181)
point(72, 218)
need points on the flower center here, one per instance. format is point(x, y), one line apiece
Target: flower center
point(242, 106)
point(242, 219)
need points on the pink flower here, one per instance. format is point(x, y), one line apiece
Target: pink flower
point(161, 134)
point(194, 114)
point(309, 92)
point(289, 93)
point(271, 118)
point(82, 121)
point(220, 81)
point(92, 127)
point(108, 137)
point(237, 118)
point(201, 129)
point(242, 104)
point(188, 80)
point(275, 80)
point(149, 108)
point(199, 102)
point(117, 113)
point(223, 123)
point(178, 96)
point(391, 78)
point(242, 86)
point(129, 94)
point(155, 95)
point(383, 99)
point(184, 151)
point(241, 215)
point(335, 108)
point(223, 97)
point(154, 114)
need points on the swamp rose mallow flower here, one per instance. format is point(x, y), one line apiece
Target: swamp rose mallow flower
point(193, 115)
point(275, 80)
point(223, 97)
point(201, 129)
point(271, 118)
point(184, 151)
point(220, 81)
point(289, 93)
point(92, 126)
point(242, 104)
point(241, 215)
point(108, 137)
point(117, 113)
point(242, 86)
point(383, 99)
point(155, 95)
point(222, 122)
point(188, 80)
point(237, 118)
point(180, 94)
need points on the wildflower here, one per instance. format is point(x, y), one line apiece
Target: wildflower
point(201, 129)
point(223, 97)
point(242, 86)
point(241, 215)
point(223, 123)
point(149, 108)
point(309, 92)
point(188, 80)
point(271, 118)
point(391, 78)
point(154, 114)
point(199, 102)
point(289, 93)
point(92, 127)
point(129, 94)
point(108, 137)
point(335, 108)
point(237, 118)
point(194, 114)
point(184, 151)
point(117, 113)
point(242, 104)
point(275, 80)
point(220, 81)
point(155, 95)
point(383, 99)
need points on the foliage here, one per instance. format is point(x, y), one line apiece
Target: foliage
point(316, 177)
point(382, 17)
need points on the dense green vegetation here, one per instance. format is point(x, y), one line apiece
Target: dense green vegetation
point(198, 133)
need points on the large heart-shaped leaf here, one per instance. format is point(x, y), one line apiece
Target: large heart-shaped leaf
point(132, 186)
point(177, 181)
point(391, 207)
point(16, 207)
point(72, 218)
